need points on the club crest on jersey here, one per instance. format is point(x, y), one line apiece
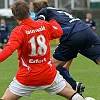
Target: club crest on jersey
point(35, 30)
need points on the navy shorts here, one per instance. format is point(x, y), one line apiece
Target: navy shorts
point(85, 42)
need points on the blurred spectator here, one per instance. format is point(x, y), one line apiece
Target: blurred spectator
point(89, 21)
point(32, 14)
point(4, 33)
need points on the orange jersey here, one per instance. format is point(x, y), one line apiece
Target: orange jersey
point(32, 40)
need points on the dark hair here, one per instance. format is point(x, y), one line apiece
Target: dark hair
point(38, 5)
point(20, 10)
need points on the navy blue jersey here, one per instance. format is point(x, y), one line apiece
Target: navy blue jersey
point(66, 20)
point(91, 22)
point(78, 36)
point(4, 31)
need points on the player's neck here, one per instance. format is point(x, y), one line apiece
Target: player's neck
point(19, 21)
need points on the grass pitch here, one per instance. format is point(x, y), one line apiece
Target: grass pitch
point(82, 70)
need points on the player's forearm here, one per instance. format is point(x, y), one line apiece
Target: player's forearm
point(5, 53)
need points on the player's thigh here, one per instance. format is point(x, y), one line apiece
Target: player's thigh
point(93, 53)
point(67, 92)
point(58, 62)
point(10, 96)
point(60, 87)
point(69, 47)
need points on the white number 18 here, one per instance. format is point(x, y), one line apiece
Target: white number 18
point(41, 49)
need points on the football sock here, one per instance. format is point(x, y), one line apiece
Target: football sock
point(67, 76)
point(77, 96)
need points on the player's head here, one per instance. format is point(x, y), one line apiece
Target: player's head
point(39, 4)
point(2, 21)
point(31, 5)
point(20, 10)
point(88, 16)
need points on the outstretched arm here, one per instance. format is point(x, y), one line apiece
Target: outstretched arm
point(5, 53)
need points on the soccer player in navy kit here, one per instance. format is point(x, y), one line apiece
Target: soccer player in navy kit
point(53, 14)
point(78, 38)
point(89, 21)
point(4, 33)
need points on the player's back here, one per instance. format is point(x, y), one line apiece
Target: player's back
point(51, 13)
point(34, 51)
point(68, 22)
point(36, 43)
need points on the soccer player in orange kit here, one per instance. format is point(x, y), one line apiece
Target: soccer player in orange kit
point(36, 71)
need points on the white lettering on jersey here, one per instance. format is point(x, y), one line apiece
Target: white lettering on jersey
point(35, 30)
point(36, 61)
point(72, 19)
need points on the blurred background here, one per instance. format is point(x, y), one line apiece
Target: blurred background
point(78, 8)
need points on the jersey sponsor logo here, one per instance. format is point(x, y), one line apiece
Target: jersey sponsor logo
point(37, 61)
point(35, 30)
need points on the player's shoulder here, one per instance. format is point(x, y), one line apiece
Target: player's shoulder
point(51, 8)
point(42, 22)
point(47, 9)
point(17, 29)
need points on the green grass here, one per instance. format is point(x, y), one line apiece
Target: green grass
point(86, 71)
point(82, 70)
